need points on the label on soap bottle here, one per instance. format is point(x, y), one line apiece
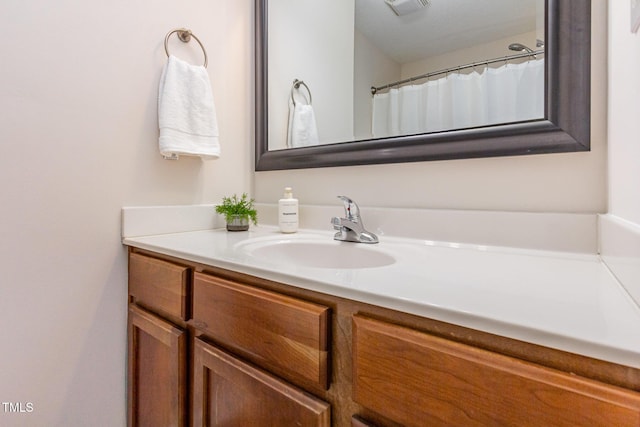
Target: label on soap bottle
point(288, 212)
point(288, 215)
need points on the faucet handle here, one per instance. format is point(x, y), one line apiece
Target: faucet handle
point(335, 221)
point(351, 210)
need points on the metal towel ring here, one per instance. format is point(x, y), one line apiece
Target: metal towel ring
point(296, 85)
point(185, 36)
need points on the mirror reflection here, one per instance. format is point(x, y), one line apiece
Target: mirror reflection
point(349, 70)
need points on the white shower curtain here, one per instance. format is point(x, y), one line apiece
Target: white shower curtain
point(510, 93)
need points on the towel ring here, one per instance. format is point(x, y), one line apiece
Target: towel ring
point(185, 36)
point(296, 85)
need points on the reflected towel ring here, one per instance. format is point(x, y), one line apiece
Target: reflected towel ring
point(185, 36)
point(296, 85)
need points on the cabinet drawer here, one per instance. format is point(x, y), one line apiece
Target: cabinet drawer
point(159, 285)
point(282, 334)
point(228, 391)
point(418, 379)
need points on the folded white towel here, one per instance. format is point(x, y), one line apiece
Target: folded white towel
point(302, 131)
point(186, 112)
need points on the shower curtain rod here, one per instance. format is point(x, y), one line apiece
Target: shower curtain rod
point(374, 89)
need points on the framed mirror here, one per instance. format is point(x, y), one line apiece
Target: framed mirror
point(562, 125)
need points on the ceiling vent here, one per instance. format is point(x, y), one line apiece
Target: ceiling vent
point(405, 7)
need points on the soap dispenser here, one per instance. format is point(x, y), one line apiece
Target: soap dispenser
point(288, 212)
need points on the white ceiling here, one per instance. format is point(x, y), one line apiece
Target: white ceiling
point(442, 26)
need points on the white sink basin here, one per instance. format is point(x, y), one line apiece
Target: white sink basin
point(316, 252)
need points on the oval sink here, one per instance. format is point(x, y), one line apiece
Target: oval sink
point(318, 253)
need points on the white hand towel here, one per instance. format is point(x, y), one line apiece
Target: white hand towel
point(302, 131)
point(186, 112)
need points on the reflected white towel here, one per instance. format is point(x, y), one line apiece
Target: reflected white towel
point(302, 131)
point(186, 112)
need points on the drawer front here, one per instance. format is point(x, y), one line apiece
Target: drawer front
point(228, 391)
point(417, 379)
point(282, 334)
point(159, 285)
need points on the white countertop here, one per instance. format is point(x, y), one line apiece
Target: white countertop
point(562, 300)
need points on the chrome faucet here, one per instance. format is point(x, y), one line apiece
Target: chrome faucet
point(350, 228)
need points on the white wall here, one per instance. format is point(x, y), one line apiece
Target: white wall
point(371, 66)
point(624, 115)
point(494, 49)
point(571, 182)
point(78, 90)
point(317, 48)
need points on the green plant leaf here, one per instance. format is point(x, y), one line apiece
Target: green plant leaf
point(238, 206)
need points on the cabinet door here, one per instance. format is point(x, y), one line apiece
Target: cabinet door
point(230, 392)
point(418, 379)
point(156, 376)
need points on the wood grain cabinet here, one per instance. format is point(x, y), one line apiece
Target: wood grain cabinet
point(213, 347)
point(359, 422)
point(157, 382)
point(285, 335)
point(417, 379)
point(271, 350)
point(157, 349)
point(160, 285)
point(231, 392)
point(280, 347)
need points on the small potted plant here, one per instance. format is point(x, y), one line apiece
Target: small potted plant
point(237, 212)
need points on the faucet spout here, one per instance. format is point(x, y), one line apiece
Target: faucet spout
point(350, 228)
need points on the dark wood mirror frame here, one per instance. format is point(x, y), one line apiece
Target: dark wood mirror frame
point(566, 126)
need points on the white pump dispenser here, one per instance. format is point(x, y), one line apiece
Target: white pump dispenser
point(288, 212)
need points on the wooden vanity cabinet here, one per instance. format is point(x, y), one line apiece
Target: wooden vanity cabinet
point(157, 385)
point(285, 335)
point(359, 422)
point(157, 377)
point(257, 356)
point(268, 349)
point(418, 379)
point(231, 392)
point(209, 346)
